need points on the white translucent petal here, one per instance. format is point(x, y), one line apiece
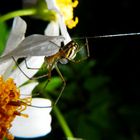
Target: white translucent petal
point(37, 124)
point(5, 66)
point(52, 29)
point(33, 62)
point(16, 35)
point(27, 89)
point(52, 5)
point(63, 29)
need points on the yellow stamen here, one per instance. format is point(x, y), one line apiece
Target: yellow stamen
point(10, 106)
point(66, 8)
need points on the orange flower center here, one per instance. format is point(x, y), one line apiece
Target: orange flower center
point(10, 106)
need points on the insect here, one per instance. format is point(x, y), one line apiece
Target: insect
point(52, 47)
point(40, 45)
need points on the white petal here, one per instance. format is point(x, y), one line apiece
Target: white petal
point(52, 29)
point(16, 35)
point(37, 124)
point(27, 89)
point(6, 66)
point(33, 62)
point(63, 29)
point(52, 5)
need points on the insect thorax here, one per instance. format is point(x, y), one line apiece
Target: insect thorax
point(69, 50)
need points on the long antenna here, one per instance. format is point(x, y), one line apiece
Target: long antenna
point(110, 36)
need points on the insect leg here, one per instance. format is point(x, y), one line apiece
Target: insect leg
point(30, 78)
point(64, 84)
point(20, 68)
point(49, 78)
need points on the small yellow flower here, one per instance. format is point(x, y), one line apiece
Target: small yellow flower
point(10, 106)
point(66, 8)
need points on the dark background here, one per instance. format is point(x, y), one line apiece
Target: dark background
point(101, 100)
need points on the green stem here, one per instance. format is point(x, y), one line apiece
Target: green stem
point(59, 117)
point(13, 14)
point(63, 123)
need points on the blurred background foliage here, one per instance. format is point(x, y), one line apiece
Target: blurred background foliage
point(101, 98)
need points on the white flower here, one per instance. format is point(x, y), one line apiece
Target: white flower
point(39, 120)
point(57, 27)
